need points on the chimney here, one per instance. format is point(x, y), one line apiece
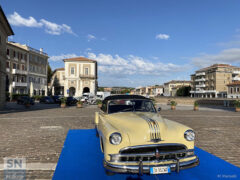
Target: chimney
point(41, 50)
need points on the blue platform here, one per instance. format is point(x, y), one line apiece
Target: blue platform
point(81, 158)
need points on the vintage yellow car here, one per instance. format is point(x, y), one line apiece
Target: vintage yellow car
point(136, 139)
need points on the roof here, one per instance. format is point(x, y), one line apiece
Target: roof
point(177, 81)
point(79, 59)
point(59, 69)
point(116, 97)
point(18, 45)
point(236, 83)
point(9, 27)
point(215, 66)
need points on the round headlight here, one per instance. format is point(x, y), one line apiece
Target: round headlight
point(115, 138)
point(189, 135)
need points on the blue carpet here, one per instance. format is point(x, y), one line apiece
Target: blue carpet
point(81, 158)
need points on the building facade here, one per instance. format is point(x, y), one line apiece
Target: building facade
point(79, 76)
point(171, 87)
point(150, 91)
point(26, 70)
point(16, 68)
point(234, 90)
point(5, 31)
point(57, 82)
point(37, 71)
point(212, 81)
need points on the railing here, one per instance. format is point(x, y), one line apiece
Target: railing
point(236, 72)
point(37, 51)
point(200, 74)
point(202, 79)
point(204, 91)
point(236, 78)
point(201, 85)
point(16, 71)
point(22, 84)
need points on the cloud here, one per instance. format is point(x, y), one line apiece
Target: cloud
point(90, 37)
point(234, 43)
point(16, 19)
point(133, 65)
point(228, 56)
point(61, 57)
point(56, 29)
point(162, 36)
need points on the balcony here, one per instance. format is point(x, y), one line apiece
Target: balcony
point(204, 91)
point(200, 85)
point(16, 71)
point(201, 74)
point(236, 79)
point(202, 79)
point(87, 76)
point(19, 84)
point(7, 70)
point(23, 60)
point(236, 72)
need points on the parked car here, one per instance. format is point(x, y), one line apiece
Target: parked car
point(102, 95)
point(71, 101)
point(46, 100)
point(136, 139)
point(24, 99)
point(56, 99)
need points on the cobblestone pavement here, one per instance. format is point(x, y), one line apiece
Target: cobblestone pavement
point(38, 133)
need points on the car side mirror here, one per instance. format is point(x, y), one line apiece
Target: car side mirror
point(159, 109)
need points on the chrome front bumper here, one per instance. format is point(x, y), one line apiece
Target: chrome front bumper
point(145, 169)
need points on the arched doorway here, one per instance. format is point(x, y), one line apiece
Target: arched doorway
point(72, 91)
point(86, 90)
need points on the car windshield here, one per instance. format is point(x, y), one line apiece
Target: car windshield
point(122, 105)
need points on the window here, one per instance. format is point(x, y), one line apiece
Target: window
point(25, 57)
point(72, 70)
point(14, 54)
point(23, 67)
point(18, 66)
point(8, 52)
point(14, 66)
point(7, 64)
point(86, 71)
point(21, 56)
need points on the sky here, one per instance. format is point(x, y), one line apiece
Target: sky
point(136, 42)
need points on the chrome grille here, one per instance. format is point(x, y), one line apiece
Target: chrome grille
point(151, 153)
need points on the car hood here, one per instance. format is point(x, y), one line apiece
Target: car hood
point(148, 128)
point(140, 127)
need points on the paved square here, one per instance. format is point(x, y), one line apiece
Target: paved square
point(38, 133)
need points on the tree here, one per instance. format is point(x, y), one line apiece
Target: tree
point(49, 75)
point(100, 88)
point(184, 91)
